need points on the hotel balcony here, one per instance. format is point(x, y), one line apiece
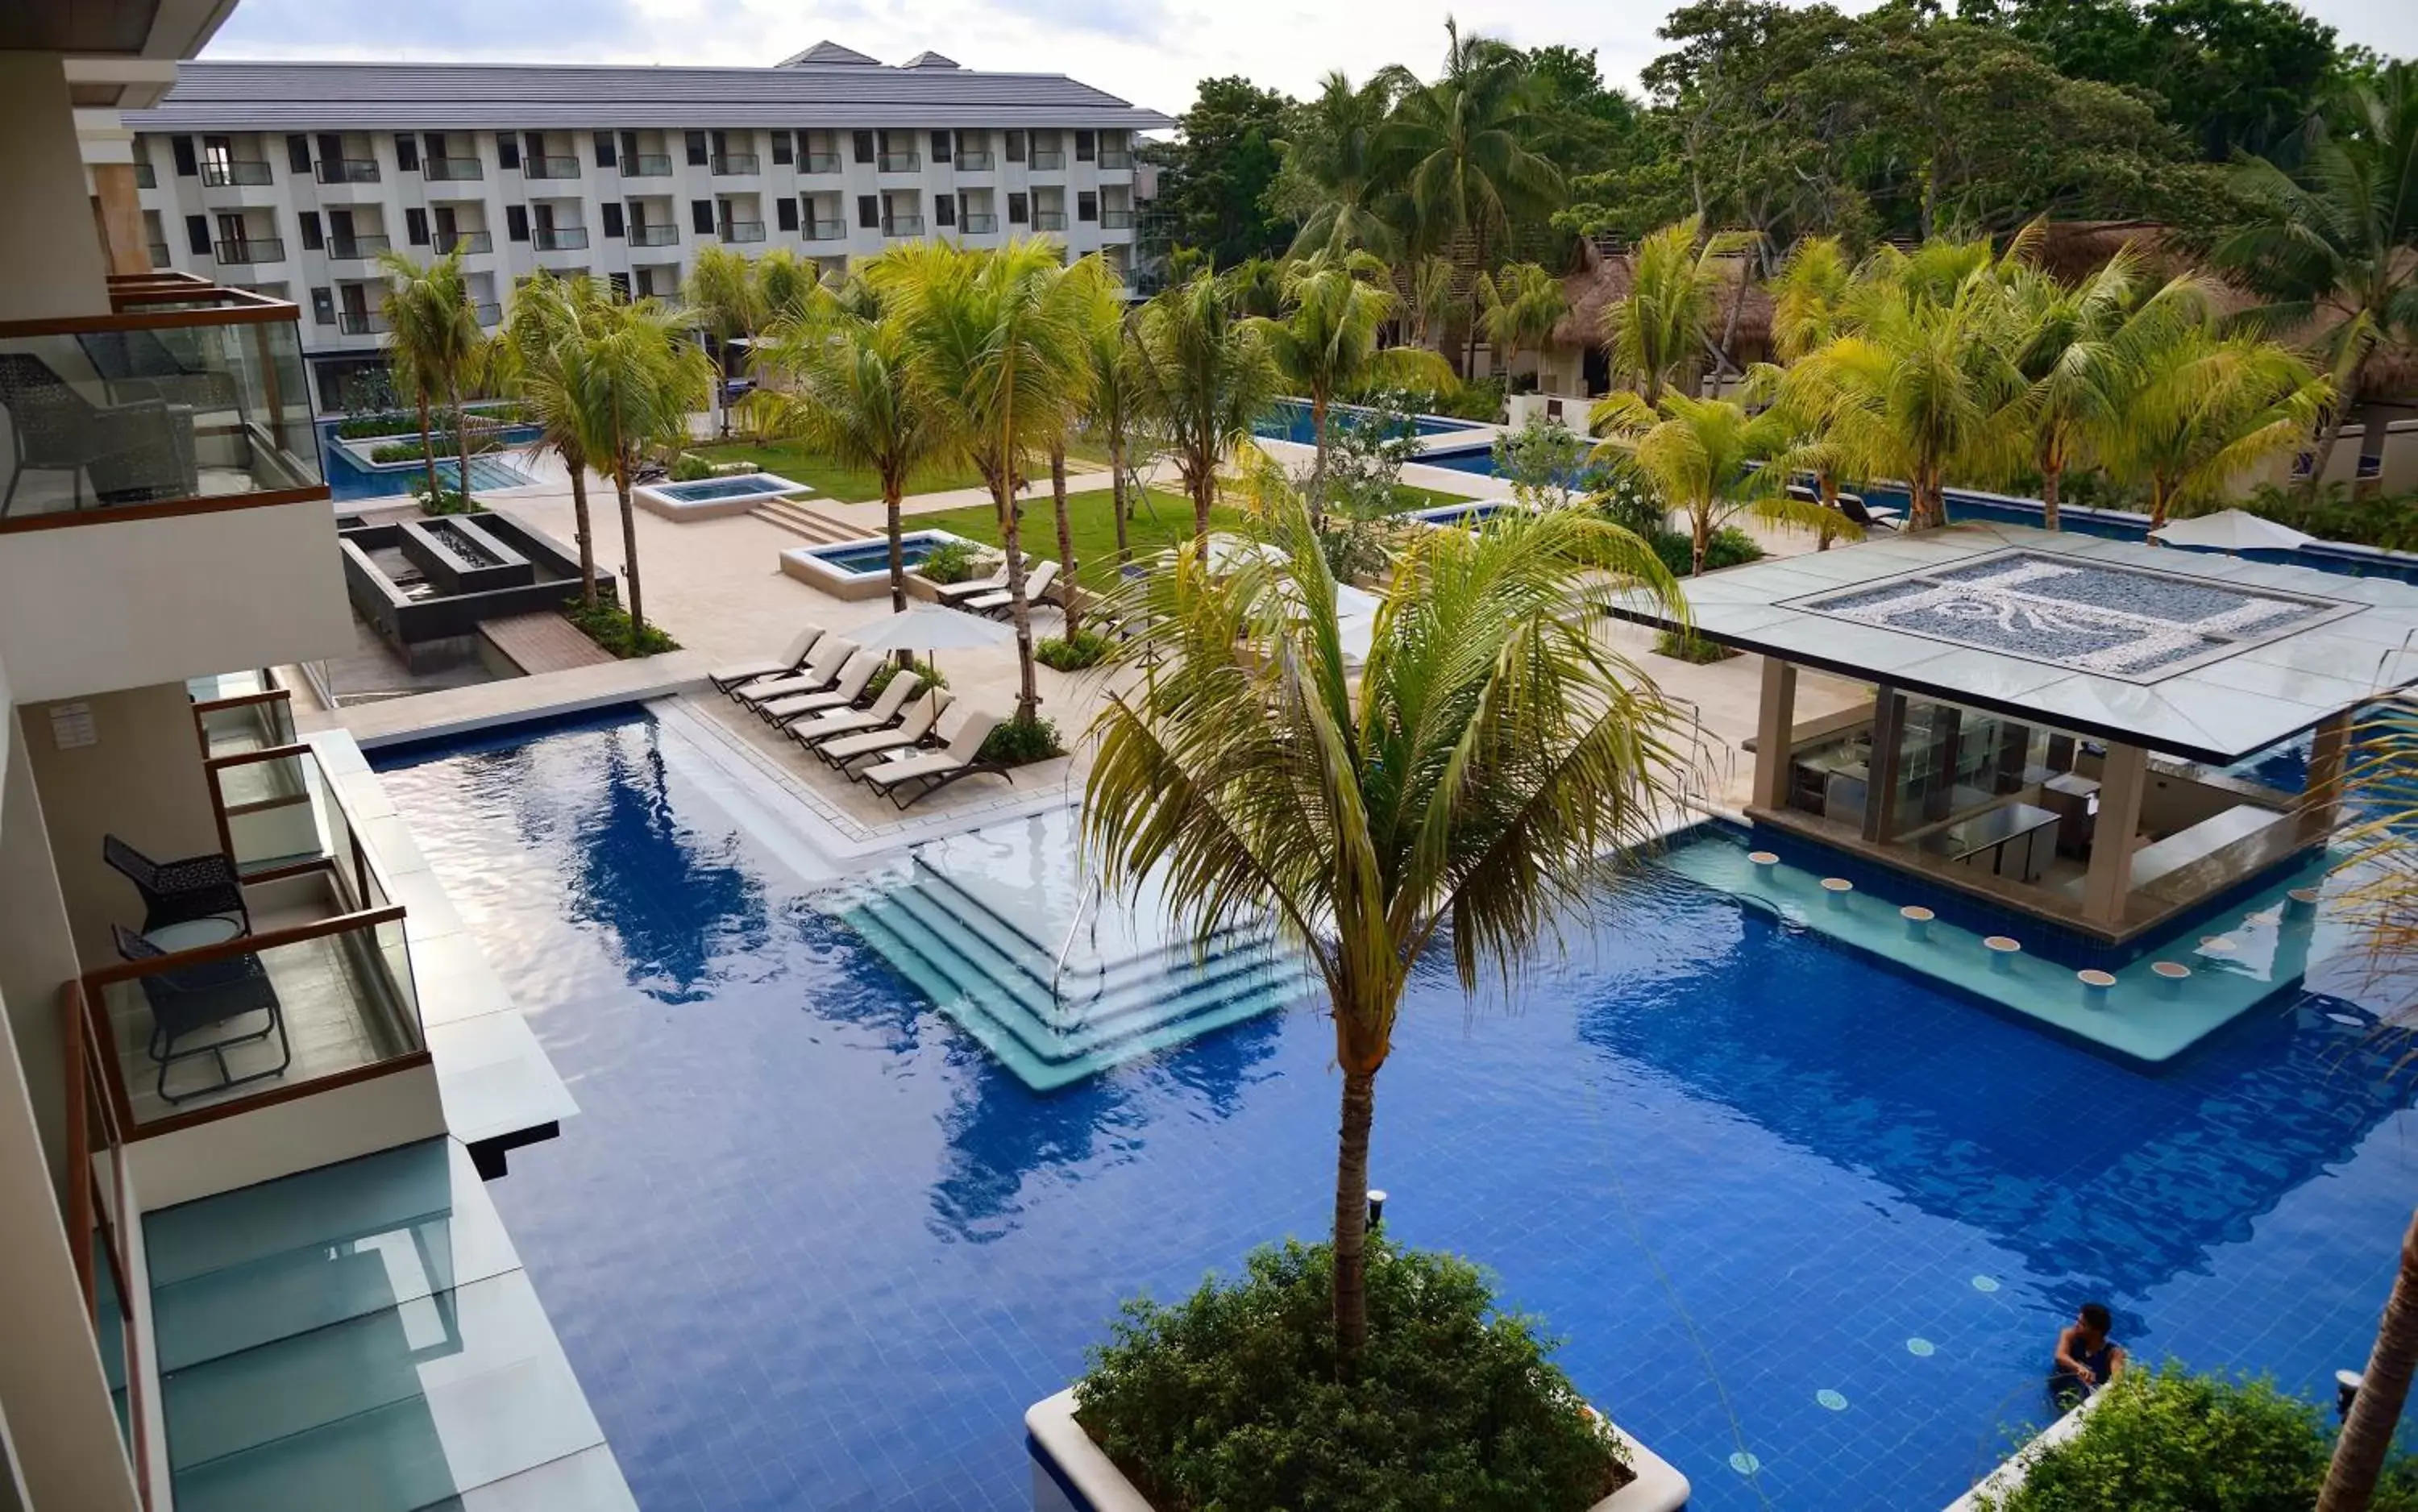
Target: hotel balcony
point(451, 170)
point(356, 249)
point(826, 231)
point(973, 163)
point(250, 251)
point(559, 239)
point(900, 162)
point(743, 230)
point(1047, 161)
point(488, 314)
point(979, 226)
point(226, 174)
point(1048, 219)
point(474, 241)
point(348, 171)
point(647, 166)
point(549, 167)
point(735, 163)
point(666, 235)
point(361, 322)
point(1115, 159)
point(159, 255)
point(819, 163)
point(1116, 220)
point(902, 225)
point(146, 176)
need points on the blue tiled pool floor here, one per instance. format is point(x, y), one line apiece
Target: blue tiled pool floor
point(808, 1247)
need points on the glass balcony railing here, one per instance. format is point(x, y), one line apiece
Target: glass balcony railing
point(1116, 220)
point(359, 321)
point(1114, 160)
point(159, 255)
point(488, 314)
point(1047, 160)
point(981, 226)
point(661, 235)
point(220, 173)
point(451, 170)
point(251, 249)
point(901, 162)
point(559, 239)
point(819, 163)
point(549, 167)
point(473, 241)
point(189, 397)
point(356, 249)
point(647, 166)
point(902, 225)
point(146, 176)
point(737, 162)
point(826, 231)
point(973, 163)
point(743, 230)
point(349, 171)
point(1048, 219)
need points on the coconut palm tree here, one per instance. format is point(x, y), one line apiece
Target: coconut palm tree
point(1430, 299)
point(1518, 305)
point(436, 345)
point(1324, 343)
point(1334, 153)
point(726, 300)
point(625, 378)
point(1660, 328)
point(2335, 243)
point(1119, 416)
point(1711, 459)
point(1207, 377)
point(1467, 786)
point(843, 386)
point(544, 310)
point(2200, 409)
point(788, 286)
point(996, 342)
point(1809, 296)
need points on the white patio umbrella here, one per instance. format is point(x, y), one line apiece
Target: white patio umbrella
point(2231, 531)
point(1355, 622)
point(930, 628)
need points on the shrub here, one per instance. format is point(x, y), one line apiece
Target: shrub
point(443, 501)
point(441, 441)
point(950, 561)
point(1085, 648)
point(889, 668)
point(2388, 523)
point(2169, 1441)
point(688, 467)
point(380, 422)
point(1021, 741)
point(1729, 547)
point(608, 625)
point(1229, 1399)
point(1692, 648)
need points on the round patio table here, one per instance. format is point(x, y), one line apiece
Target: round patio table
point(193, 934)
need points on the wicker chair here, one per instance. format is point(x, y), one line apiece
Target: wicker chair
point(175, 892)
point(196, 999)
point(134, 453)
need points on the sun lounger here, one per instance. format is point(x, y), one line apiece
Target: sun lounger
point(910, 730)
point(822, 667)
point(824, 727)
point(1036, 583)
point(952, 593)
point(847, 689)
point(789, 662)
point(914, 775)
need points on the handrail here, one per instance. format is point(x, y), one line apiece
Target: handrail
point(1088, 901)
point(79, 1141)
point(87, 1211)
point(268, 696)
point(266, 753)
point(252, 944)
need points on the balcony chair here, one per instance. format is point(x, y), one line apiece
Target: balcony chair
point(135, 454)
point(137, 364)
point(209, 994)
point(175, 892)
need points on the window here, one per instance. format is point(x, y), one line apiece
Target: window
point(197, 232)
point(604, 158)
point(785, 212)
point(1086, 144)
point(312, 240)
point(629, 147)
point(696, 153)
point(862, 142)
point(621, 282)
point(612, 218)
point(182, 146)
point(1016, 210)
point(536, 150)
point(1087, 205)
point(945, 210)
point(415, 226)
point(940, 152)
point(700, 215)
point(297, 155)
point(517, 222)
point(322, 307)
point(868, 212)
point(1016, 152)
point(781, 140)
point(407, 152)
point(508, 150)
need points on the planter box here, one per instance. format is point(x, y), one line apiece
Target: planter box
point(1071, 1474)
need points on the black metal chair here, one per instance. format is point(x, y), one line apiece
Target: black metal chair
point(175, 892)
point(194, 999)
point(134, 453)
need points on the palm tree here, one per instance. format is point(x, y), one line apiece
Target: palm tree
point(2200, 409)
point(1118, 417)
point(789, 287)
point(1660, 328)
point(625, 378)
point(1519, 307)
point(1334, 152)
point(1207, 377)
point(1710, 458)
point(436, 345)
point(1459, 147)
point(996, 341)
point(2335, 243)
point(1473, 779)
point(726, 300)
point(1809, 296)
point(544, 310)
point(1324, 343)
point(1429, 282)
point(844, 387)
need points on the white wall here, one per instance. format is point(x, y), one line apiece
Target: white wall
point(92, 607)
point(49, 250)
point(37, 957)
point(298, 1134)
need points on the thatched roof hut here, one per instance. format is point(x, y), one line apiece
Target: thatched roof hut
point(1604, 277)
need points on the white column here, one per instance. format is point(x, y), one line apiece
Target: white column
point(2121, 782)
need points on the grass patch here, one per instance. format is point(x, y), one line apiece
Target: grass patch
point(858, 486)
point(1162, 521)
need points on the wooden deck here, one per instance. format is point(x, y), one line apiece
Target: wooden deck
point(543, 643)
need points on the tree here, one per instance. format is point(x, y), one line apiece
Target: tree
point(997, 343)
point(435, 346)
point(847, 390)
point(1660, 328)
point(544, 310)
point(624, 377)
point(1207, 377)
point(1118, 414)
point(1334, 180)
point(2334, 248)
point(2200, 409)
point(1809, 296)
point(1215, 175)
point(1471, 782)
point(789, 287)
point(1430, 304)
point(1518, 305)
point(726, 300)
point(1709, 458)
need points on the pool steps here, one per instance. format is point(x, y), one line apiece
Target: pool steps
point(801, 519)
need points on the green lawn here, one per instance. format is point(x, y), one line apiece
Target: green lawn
point(857, 485)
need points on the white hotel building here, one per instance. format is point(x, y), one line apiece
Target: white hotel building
point(289, 178)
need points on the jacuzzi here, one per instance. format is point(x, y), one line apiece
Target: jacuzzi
point(860, 569)
point(711, 498)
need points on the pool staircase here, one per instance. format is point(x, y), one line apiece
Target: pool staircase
point(801, 518)
point(362, 1337)
point(1054, 1011)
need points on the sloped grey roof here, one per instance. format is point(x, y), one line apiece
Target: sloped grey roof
point(827, 51)
point(931, 60)
point(303, 96)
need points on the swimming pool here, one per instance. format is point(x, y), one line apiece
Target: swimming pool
point(1291, 422)
point(912, 549)
point(349, 480)
point(808, 1247)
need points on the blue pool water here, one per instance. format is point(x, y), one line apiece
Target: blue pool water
point(875, 559)
point(347, 479)
point(807, 1247)
point(1291, 422)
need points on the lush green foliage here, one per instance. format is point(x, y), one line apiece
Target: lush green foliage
point(1229, 1399)
point(442, 499)
point(2389, 522)
point(608, 625)
point(1025, 739)
point(689, 467)
point(2169, 1441)
point(1073, 653)
point(932, 676)
point(446, 444)
point(1690, 648)
point(1542, 460)
point(951, 561)
point(1728, 547)
point(378, 423)
point(1215, 175)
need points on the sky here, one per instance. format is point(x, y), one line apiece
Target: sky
point(1151, 52)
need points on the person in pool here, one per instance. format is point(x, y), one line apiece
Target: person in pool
point(2087, 1358)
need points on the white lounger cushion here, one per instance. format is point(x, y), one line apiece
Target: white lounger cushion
point(852, 680)
point(918, 724)
point(831, 653)
point(799, 646)
point(1035, 584)
point(964, 742)
point(895, 695)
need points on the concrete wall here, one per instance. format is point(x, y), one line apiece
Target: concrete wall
point(49, 247)
point(298, 1134)
point(36, 958)
point(98, 606)
point(142, 779)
